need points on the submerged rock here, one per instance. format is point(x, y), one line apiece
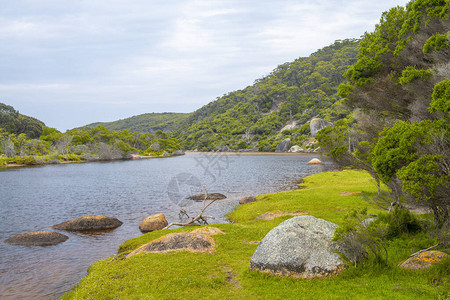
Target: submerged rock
point(424, 260)
point(247, 200)
point(89, 223)
point(155, 222)
point(37, 238)
point(209, 196)
point(299, 247)
point(283, 146)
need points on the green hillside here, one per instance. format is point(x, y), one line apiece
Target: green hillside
point(13, 122)
point(293, 93)
point(149, 123)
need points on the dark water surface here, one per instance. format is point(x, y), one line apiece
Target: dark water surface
point(37, 198)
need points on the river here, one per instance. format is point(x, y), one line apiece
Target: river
point(37, 198)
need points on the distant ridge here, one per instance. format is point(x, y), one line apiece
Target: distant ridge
point(148, 122)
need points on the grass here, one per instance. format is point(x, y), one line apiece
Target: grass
point(225, 275)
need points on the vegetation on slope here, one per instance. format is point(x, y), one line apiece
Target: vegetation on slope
point(293, 92)
point(225, 275)
point(13, 122)
point(98, 143)
point(146, 123)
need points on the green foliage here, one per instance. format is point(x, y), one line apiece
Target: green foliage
point(441, 97)
point(149, 123)
point(397, 147)
point(436, 42)
point(295, 91)
point(410, 74)
point(399, 221)
point(14, 122)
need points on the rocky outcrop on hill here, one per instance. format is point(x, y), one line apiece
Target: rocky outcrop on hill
point(296, 149)
point(316, 124)
point(155, 222)
point(37, 238)
point(283, 146)
point(299, 247)
point(88, 223)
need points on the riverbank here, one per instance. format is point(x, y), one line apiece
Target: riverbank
point(224, 274)
point(31, 161)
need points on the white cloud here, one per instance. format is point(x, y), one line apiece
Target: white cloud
point(157, 55)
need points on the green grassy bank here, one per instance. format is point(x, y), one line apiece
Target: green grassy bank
point(225, 275)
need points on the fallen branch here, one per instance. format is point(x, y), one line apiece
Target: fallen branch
point(418, 252)
point(200, 218)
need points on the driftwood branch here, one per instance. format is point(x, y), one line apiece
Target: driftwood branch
point(200, 218)
point(432, 247)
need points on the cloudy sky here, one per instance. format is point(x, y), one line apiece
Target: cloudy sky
point(70, 63)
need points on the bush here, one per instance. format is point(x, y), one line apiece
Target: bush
point(399, 221)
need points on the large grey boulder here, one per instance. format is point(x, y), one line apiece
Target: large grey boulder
point(299, 247)
point(283, 146)
point(316, 124)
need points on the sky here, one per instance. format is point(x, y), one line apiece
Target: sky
point(71, 63)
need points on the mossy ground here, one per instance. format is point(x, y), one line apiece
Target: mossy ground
point(225, 275)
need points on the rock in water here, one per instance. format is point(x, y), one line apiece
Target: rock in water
point(283, 146)
point(209, 196)
point(423, 260)
point(299, 247)
point(37, 238)
point(89, 223)
point(314, 161)
point(155, 222)
point(247, 200)
point(184, 241)
point(317, 124)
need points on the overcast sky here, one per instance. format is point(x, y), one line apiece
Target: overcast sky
point(70, 63)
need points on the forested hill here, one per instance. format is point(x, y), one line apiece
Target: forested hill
point(291, 94)
point(149, 123)
point(14, 122)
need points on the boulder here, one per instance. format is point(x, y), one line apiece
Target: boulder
point(184, 241)
point(283, 146)
point(247, 200)
point(299, 247)
point(295, 149)
point(155, 222)
point(423, 260)
point(155, 147)
point(37, 238)
point(177, 153)
point(89, 223)
point(210, 196)
point(208, 230)
point(277, 213)
point(315, 161)
point(316, 124)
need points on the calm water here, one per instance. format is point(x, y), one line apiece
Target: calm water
point(37, 198)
